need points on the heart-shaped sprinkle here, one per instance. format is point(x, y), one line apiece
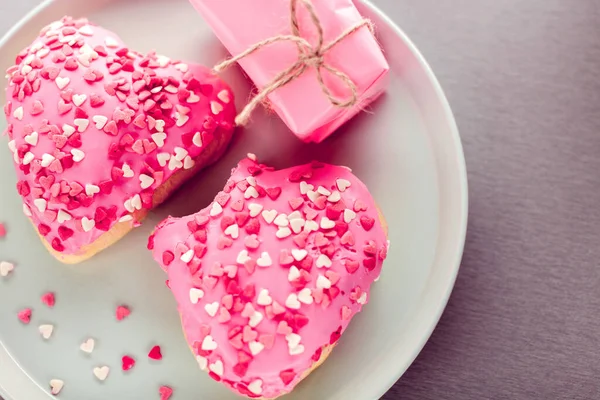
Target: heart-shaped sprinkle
point(264, 260)
point(212, 308)
point(48, 299)
point(24, 316)
point(209, 344)
point(127, 363)
point(155, 353)
point(56, 386)
point(195, 295)
point(46, 331)
point(88, 346)
point(101, 373)
point(122, 312)
point(216, 367)
point(165, 392)
point(6, 268)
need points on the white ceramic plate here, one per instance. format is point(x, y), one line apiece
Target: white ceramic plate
point(406, 148)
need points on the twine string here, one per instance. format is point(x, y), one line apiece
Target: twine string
point(309, 56)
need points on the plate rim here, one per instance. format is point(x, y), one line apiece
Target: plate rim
point(423, 330)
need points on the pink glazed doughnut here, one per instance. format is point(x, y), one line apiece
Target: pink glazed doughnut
point(101, 134)
point(269, 275)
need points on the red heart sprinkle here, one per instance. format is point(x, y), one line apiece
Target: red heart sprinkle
point(165, 392)
point(25, 316)
point(155, 353)
point(122, 312)
point(127, 363)
point(49, 299)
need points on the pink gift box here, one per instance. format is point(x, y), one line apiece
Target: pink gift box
point(302, 105)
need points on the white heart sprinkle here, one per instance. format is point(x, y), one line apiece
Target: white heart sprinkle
point(26, 210)
point(349, 215)
point(224, 96)
point(160, 125)
point(243, 257)
point(264, 260)
point(305, 187)
point(127, 171)
point(146, 181)
point(159, 138)
point(28, 158)
point(293, 274)
point(63, 216)
point(40, 204)
point(299, 254)
point(174, 164)
point(180, 153)
point(256, 347)
point(305, 296)
point(216, 209)
point(187, 256)
point(88, 346)
point(251, 180)
point(46, 331)
point(209, 344)
point(100, 121)
point(362, 299)
point(283, 232)
point(313, 196)
point(182, 119)
point(197, 139)
point(292, 302)
point(212, 308)
point(86, 30)
point(269, 215)
point(47, 159)
point(326, 223)
point(334, 197)
point(78, 155)
point(62, 82)
point(233, 231)
point(193, 98)
point(182, 67)
point(195, 295)
point(297, 350)
point(296, 224)
point(216, 367)
point(255, 209)
point(342, 184)
point(18, 113)
point(255, 319)
point(110, 42)
point(215, 107)
point(125, 218)
point(324, 191)
point(79, 99)
point(12, 145)
point(6, 268)
point(293, 339)
point(91, 190)
point(163, 158)
point(251, 192)
point(81, 124)
point(32, 138)
point(255, 386)
point(87, 224)
point(188, 162)
point(323, 261)
point(68, 130)
point(263, 298)
point(56, 385)
point(202, 362)
point(101, 372)
point(323, 283)
point(281, 220)
point(42, 52)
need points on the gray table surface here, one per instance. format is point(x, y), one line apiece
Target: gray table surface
point(523, 78)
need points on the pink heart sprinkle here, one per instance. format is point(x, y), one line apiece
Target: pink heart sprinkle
point(49, 299)
point(165, 392)
point(122, 313)
point(25, 316)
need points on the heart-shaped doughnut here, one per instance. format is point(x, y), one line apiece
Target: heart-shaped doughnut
point(268, 277)
point(101, 134)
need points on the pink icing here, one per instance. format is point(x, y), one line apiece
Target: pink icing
point(77, 91)
point(336, 221)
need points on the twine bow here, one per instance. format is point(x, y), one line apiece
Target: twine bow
point(309, 56)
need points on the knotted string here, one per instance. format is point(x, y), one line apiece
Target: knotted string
point(308, 57)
